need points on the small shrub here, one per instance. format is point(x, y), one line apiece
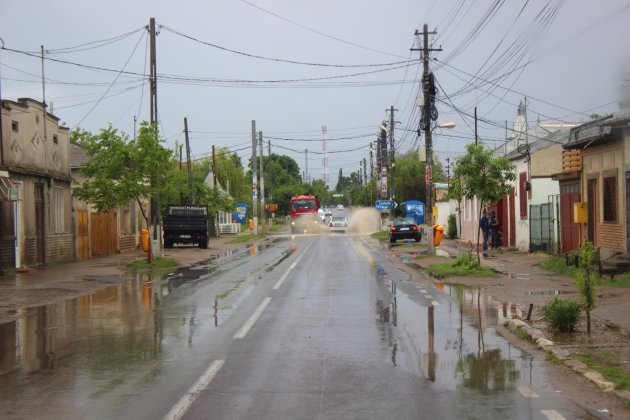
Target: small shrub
point(466, 260)
point(452, 227)
point(563, 314)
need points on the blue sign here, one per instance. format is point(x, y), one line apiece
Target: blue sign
point(241, 213)
point(415, 209)
point(382, 205)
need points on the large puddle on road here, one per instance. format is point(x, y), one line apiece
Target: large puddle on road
point(127, 317)
point(447, 334)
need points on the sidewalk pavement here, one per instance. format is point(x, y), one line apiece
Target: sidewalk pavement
point(56, 283)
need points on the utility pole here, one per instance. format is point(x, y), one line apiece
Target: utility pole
point(254, 179)
point(214, 168)
point(188, 163)
point(262, 179)
point(154, 250)
point(392, 189)
point(44, 112)
point(371, 162)
point(428, 89)
point(270, 183)
point(365, 179)
point(306, 164)
point(476, 137)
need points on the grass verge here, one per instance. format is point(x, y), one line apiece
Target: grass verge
point(557, 266)
point(158, 263)
point(449, 269)
point(623, 281)
point(608, 364)
point(381, 235)
point(245, 238)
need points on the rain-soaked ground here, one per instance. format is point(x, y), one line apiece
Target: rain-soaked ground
point(82, 349)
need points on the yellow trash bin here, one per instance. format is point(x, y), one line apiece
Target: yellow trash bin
point(251, 224)
point(145, 240)
point(438, 231)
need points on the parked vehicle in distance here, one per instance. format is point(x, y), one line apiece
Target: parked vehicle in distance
point(338, 224)
point(404, 228)
point(339, 206)
point(186, 224)
point(321, 214)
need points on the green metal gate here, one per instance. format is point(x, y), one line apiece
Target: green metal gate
point(543, 225)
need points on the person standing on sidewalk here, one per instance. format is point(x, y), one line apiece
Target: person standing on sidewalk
point(484, 224)
point(494, 229)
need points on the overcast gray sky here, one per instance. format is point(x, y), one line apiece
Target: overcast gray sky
point(568, 57)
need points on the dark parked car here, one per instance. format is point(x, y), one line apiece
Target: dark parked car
point(404, 228)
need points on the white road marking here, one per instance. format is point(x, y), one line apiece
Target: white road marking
point(184, 403)
point(527, 391)
point(252, 319)
point(435, 303)
point(423, 291)
point(552, 415)
point(428, 296)
point(284, 276)
point(291, 267)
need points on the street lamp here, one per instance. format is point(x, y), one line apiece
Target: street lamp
point(429, 182)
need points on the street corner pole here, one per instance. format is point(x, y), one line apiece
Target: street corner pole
point(428, 139)
point(428, 92)
point(254, 179)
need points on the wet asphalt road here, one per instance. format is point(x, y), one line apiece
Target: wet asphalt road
point(320, 327)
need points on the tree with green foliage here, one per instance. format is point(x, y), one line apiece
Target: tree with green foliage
point(586, 280)
point(119, 170)
point(231, 175)
point(483, 175)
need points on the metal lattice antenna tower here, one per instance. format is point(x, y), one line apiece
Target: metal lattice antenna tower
point(325, 173)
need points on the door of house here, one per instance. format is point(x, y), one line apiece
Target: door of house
point(39, 224)
point(104, 233)
point(569, 231)
point(17, 232)
point(83, 237)
point(592, 211)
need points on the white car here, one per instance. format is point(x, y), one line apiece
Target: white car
point(339, 206)
point(338, 224)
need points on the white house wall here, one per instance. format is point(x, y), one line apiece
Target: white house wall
point(470, 219)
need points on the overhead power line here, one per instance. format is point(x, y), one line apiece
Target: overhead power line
point(319, 32)
point(170, 78)
point(281, 60)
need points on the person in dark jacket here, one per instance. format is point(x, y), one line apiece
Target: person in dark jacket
point(484, 224)
point(494, 229)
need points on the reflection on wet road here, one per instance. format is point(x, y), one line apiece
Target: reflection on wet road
point(308, 327)
point(78, 351)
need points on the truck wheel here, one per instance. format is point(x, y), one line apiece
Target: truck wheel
point(392, 240)
point(203, 244)
point(168, 244)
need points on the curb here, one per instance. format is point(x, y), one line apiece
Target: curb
point(543, 343)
